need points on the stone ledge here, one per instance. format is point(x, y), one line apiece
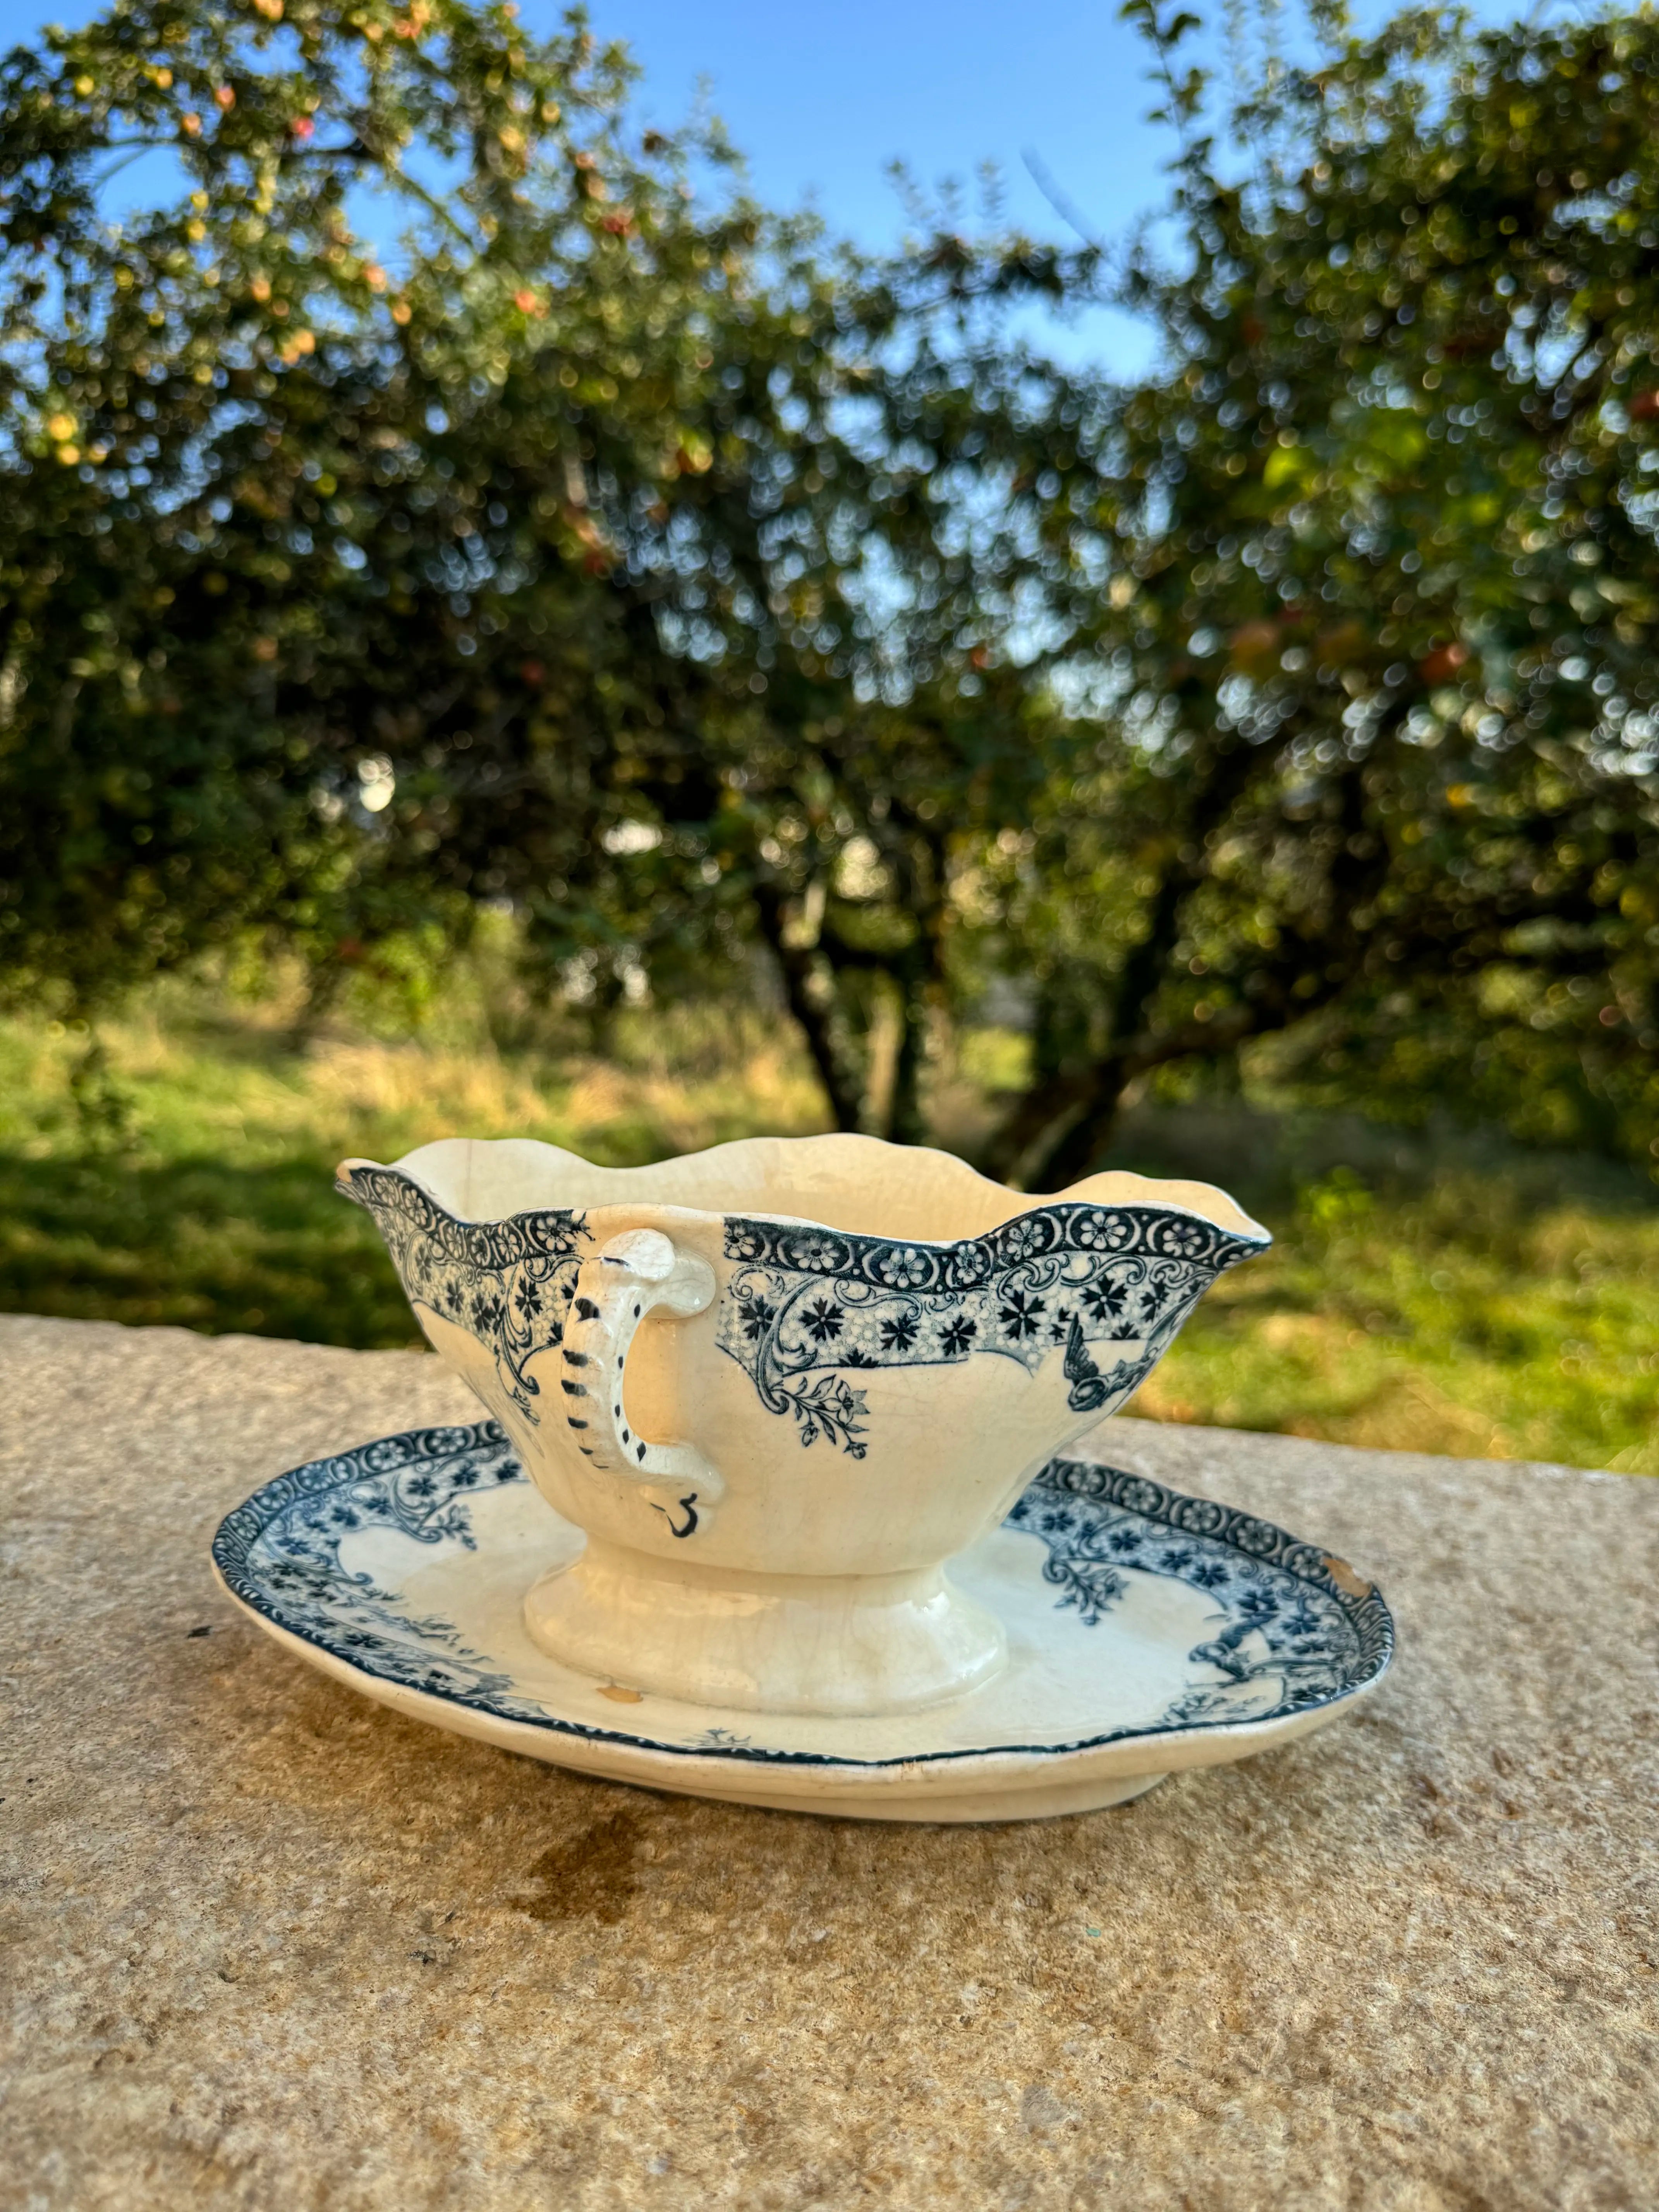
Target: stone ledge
point(272, 1946)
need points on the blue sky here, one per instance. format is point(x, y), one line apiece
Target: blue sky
point(822, 99)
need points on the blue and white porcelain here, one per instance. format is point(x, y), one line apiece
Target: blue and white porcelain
point(780, 1384)
point(1146, 1631)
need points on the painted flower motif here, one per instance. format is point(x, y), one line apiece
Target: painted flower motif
point(1021, 1238)
point(823, 1256)
point(1187, 1239)
point(757, 1315)
point(822, 1321)
point(414, 1478)
point(905, 1267)
point(1302, 1651)
point(1021, 1314)
point(967, 1265)
point(1020, 1289)
point(1106, 1299)
point(507, 1282)
point(556, 1234)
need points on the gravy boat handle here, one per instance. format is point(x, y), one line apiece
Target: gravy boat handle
point(616, 1288)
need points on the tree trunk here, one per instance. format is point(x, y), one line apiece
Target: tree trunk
point(1059, 1128)
point(1071, 1146)
point(904, 1120)
point(1060, 1122)
point(813, 1017)
point(602, 1012)
point(103, 1108)
point(326, 979)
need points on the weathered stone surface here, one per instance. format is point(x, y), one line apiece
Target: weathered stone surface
point(267, 1946)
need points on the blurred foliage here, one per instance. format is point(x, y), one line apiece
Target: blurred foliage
point(607, 550)
point(1386, 585)
point(1446, 1322)
point(1426, 1292)
point(613, 550)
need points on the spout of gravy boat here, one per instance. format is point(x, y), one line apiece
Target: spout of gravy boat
point(758, 1375)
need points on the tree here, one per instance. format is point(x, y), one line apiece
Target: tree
point(714, 595)
point(618, 554)
point(1382, 769)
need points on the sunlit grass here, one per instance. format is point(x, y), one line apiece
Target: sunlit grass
point(1459, 1320)
point(215, 1208)
point(1480, 1304)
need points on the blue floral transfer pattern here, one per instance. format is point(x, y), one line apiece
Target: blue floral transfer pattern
point(808, 1307)
point(280, 1552)
point(1295, 1629)
point(510, 1283)
point(1296, 1625)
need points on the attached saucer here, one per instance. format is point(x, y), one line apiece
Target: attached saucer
point(1146, 1631)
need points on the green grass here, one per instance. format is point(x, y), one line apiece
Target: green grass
point(1460, 1319)
point(1447, 1296)
point(215, 1207)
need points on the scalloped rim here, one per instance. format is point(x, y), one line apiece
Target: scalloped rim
point(1116, 1188)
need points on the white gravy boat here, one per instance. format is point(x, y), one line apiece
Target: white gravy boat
point(780, 1384)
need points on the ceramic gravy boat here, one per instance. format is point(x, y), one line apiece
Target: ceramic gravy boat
point(780, 1384)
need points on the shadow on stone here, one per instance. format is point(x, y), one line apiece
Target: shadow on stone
point(592, 1877)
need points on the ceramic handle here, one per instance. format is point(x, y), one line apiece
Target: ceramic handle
point(614, 1291)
